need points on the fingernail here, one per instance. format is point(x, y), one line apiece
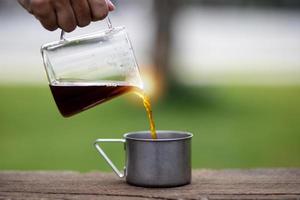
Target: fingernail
point(111, 6)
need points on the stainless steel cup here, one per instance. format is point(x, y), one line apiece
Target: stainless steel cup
point(162, 162)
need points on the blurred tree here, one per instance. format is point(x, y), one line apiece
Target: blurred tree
point(165, 10)
point(165, 13)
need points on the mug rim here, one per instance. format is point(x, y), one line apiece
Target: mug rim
point(188, 136)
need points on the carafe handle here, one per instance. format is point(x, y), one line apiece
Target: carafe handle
point(108, 22)
point(106, 158)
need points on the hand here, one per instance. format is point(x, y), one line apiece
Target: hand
point(67, 14)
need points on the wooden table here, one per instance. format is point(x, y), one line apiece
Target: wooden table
point(206, 184)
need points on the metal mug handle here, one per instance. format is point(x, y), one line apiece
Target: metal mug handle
point(108, 22)
point(106, 158)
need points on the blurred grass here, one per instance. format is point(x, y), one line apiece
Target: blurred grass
point(233, 126)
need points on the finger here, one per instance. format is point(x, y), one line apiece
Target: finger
point(49, 22)
point(99, 9)
point(45, 13)
point(111, 6)
point(82, 12)
point(65, 16)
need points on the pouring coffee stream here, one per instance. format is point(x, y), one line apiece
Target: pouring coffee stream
point(87, 70)
point(147, 105)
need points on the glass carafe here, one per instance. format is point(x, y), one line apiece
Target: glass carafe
point(86, 70)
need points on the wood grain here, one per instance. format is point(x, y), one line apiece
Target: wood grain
point(206, 184)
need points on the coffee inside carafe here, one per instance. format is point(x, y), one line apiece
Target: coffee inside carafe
point(74, 97)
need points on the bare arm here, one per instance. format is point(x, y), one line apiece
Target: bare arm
point(67, 14)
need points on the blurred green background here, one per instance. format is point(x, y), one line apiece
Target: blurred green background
point(233, 126)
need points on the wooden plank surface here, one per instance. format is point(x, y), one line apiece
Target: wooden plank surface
point(206, 184)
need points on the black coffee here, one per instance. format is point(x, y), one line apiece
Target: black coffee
point(74, 98)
